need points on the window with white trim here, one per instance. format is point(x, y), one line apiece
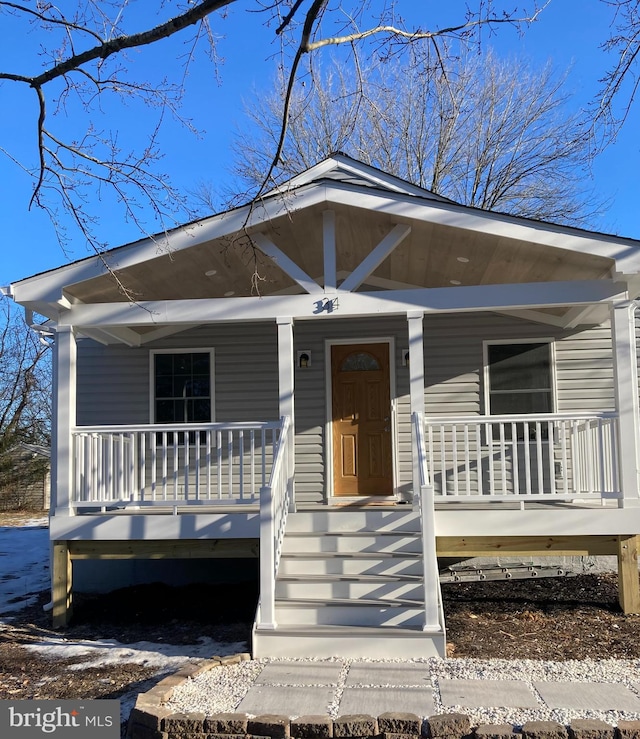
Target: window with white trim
point(519, 377)
point(182, 386)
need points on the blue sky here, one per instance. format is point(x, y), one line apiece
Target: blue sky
point(569, 33)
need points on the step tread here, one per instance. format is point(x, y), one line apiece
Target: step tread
point(287, 602)
point(351, 555)
point(338, 577)
point(348, 631)
point(359, 532)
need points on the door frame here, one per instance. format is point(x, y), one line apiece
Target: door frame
point(328, 428)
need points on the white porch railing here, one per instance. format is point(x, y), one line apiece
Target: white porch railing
point(532, 457)
point(425, 503)
point(276, 499)
point(175, 465)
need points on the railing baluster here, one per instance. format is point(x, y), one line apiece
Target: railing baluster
point(431, 456)
point(252, 448)
point(488, 430)
point(515, 463)
point(602, 478)
point(478, 434)
point(588, 458)
point(562, 430)
point(576, 462)
point(454, 458)
point(142, 465)
point(263, 448)
point(539, 460)
point(241, 462)
point(615, 457)
point(467, 459)
point(197, 465)
point(208, 462)
point(552, 460)
point(443, 462)
point(153, 443)
point(503, 458)
point(230, 462)
point(219, 458)
point(187, 464)
point(527, 456)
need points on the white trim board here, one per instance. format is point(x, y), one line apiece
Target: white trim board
point(346, 304)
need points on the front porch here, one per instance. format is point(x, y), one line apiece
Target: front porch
point(227, 490)
point(340, 570)
point(519, 460)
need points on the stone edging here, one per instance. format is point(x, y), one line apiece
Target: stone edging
point(151, 719)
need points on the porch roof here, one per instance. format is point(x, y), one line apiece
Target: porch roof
point(341, 225)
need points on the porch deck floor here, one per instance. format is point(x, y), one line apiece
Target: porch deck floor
point(214, 508)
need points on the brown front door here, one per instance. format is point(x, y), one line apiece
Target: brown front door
point(361, 419)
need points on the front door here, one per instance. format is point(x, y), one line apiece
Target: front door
point(361, 419)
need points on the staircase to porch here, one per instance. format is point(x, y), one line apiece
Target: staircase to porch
point(350, 583)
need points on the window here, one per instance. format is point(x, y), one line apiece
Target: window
point(360, 362)
point(519, 378)
point(182, 386)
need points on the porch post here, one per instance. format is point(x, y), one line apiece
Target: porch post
point(626, 389)
point(416, 381)
point(286, 388)
point(64, 418)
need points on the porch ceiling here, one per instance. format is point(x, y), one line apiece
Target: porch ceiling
point(432, 255)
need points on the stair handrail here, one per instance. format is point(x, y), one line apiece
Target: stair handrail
point(424, 497)
point(275, 503)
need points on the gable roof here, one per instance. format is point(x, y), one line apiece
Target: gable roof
point(339, 167)
point(172, 265)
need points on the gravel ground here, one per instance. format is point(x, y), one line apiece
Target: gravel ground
point(222, 688)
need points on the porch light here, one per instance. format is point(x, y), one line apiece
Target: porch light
point(303, 359)
point(405, 357)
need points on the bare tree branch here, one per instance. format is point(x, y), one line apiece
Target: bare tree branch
point(70, 169)
point(488, 133)
point(114, 46)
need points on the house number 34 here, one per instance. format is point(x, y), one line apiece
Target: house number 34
point(325, 306)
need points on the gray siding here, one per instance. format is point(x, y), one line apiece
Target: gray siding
point(113, 384)
point(311, 401)
point(113, 381)
point(454, 362)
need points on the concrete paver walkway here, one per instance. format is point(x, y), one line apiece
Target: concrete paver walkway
point(306, 687)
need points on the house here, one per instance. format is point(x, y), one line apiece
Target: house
point(25, 480)
point(348, 378)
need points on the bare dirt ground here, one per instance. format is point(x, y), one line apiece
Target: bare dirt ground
point(548, 619)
